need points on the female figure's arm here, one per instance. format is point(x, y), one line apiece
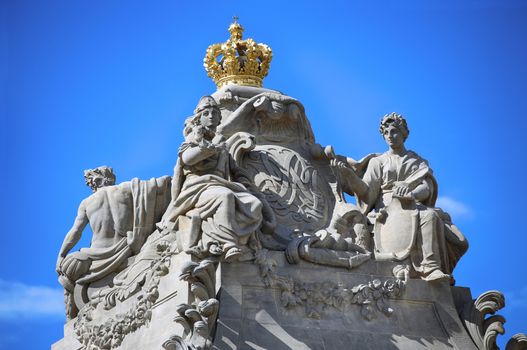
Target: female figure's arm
point(353, 183)
point(195, 154)
point(421, 192)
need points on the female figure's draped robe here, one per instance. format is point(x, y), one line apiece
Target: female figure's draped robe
point(226, 212)
point(440, 244)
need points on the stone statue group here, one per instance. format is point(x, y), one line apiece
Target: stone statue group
point(255, 218)
point(249, 176)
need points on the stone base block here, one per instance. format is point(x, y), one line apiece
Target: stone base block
point(306, 306)
point(253, 316)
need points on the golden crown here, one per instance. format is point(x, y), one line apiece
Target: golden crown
point(237, 61)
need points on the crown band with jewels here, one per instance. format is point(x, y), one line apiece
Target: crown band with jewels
point(237, 61)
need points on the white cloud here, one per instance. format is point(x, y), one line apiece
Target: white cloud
point(516, 299)
point(19, 300)
point(455, 208)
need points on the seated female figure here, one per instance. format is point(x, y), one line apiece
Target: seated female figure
point(403, 174)
point(221, 215)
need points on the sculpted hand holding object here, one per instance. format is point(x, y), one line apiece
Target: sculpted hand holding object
point(215, 214)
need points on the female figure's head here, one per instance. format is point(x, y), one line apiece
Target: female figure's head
point(206, 118)
point(394, 130)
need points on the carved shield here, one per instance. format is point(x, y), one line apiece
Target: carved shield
point(296, 188)
point(395, 230)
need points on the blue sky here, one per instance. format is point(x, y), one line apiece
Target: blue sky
point(87, 83)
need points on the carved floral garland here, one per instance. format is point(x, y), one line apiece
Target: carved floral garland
point(316, 296)
point(110, 334)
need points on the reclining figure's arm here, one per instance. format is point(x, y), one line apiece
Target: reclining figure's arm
point(73, 235)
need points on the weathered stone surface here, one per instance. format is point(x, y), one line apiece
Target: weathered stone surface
point(423, 314)
point(255, 247)
point(158, 325)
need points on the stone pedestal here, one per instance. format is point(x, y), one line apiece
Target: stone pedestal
point(252, 316)
point(308, 306)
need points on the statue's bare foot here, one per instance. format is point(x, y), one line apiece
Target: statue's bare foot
point(437, 275)
point(233, 254)
point(215, 249)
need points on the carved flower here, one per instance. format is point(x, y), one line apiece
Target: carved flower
point(141, 312)
point(357, 298)
point(127, 320)
point(289, 299)
point(338, 297)
point(377, 294)
point(367, 311)
point(152, 294)
point(376, 284)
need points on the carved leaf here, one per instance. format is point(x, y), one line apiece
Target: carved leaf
point(517, 342)
point(484, 331)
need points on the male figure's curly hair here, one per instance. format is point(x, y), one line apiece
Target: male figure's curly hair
point(396, 120)
point(99, 177)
